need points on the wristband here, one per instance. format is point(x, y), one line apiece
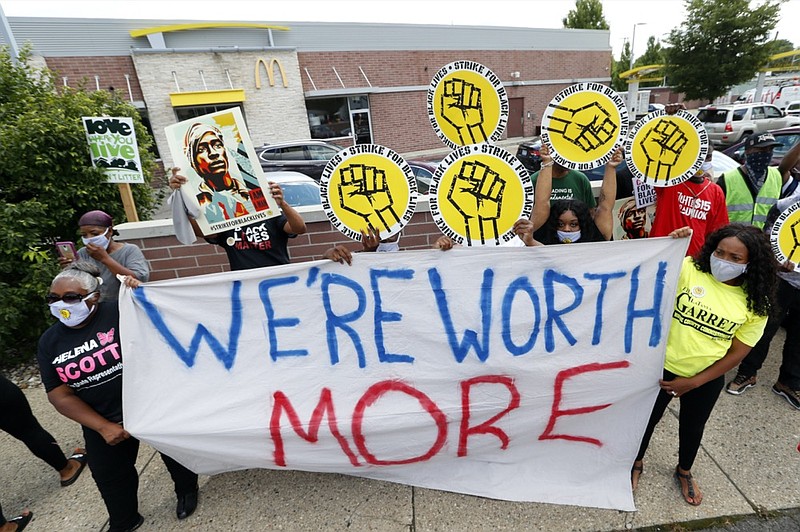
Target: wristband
point(547, 165)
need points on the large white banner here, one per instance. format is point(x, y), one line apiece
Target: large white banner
point(524, 374)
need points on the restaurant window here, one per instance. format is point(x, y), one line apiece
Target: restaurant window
point(340, 117)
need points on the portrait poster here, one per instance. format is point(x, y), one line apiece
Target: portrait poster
point(368, 185)
point(113, 147)
point(467, 104)
point(477, 194)
point(225, 180)
point(666, 150)
point(583, 125)
point(632, 222)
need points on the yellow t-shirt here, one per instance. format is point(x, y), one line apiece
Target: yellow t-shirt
point(706, 317)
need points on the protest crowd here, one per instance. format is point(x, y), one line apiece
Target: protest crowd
point(746, 296)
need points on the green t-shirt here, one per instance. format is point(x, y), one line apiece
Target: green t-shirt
point(707, 316)
point(574, 185)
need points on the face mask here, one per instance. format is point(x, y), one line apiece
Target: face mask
point(724, 270)
point(99, 240)
point(71, 314)
point(568, 237)
point(707, 167)
point(388, 246)
point(756, 164)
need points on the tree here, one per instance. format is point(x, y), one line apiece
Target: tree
point(653, 55)
point(618, 67)
point(720, 44)
point(587, 15)
point(46, 183)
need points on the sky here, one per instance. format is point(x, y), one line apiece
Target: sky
point(649, 18)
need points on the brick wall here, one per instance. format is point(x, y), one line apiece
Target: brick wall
point(170, 259)
point(110, 69)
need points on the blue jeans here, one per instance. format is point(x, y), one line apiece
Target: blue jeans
point(788, 304)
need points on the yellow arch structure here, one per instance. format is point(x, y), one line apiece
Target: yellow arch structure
point(782, 55)
point(203, 26)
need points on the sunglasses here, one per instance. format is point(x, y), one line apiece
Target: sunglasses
point(70, 298)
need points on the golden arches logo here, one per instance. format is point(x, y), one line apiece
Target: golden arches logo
point(270, 68)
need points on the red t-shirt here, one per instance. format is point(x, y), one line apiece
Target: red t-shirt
point(701, 206)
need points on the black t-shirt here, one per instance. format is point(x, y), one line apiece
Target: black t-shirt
point(256, 245)
point(88, 360)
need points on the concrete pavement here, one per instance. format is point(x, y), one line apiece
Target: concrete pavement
point(748, 467)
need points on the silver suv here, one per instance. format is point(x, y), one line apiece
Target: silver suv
point(728, 124)
point(308, 157)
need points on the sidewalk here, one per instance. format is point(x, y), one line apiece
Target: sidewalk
point(748, 466)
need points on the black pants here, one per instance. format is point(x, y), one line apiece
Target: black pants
point(788, 303)
point(18, 420)
point(114, 470)
point(696, 407)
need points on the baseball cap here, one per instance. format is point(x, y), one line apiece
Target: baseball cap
point(760, 140)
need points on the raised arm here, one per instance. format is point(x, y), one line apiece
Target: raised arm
point(603, 216)
point(543, 190)
point(294, 222)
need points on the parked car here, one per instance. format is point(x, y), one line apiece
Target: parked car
point(308, 157)
point(788, 137)
point(528, 154)
point(729, 124)
point(423, 171)
point(793, 108)
point(299, 190)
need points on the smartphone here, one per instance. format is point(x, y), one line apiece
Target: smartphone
point(66, 250)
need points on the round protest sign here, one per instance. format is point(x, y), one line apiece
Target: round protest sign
point(665, 150)
point(583, 124)
point(368, 185)
point(785, 235)
point(467, 104)
point(478, 193)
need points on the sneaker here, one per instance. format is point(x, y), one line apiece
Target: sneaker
point(793, 396)
point(741, 383)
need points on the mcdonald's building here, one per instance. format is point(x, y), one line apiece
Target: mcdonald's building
point(342, 82)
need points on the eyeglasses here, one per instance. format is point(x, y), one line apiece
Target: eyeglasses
point(69, 298)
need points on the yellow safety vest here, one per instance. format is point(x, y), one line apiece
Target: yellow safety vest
point(739, 201)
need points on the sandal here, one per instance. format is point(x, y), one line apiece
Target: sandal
point(689, 494)
point(79, 456)
point(22, 520)
point(636, 473)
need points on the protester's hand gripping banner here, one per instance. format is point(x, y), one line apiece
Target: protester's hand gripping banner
point(524, 374)
point(225, 179)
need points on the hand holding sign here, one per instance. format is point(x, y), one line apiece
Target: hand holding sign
point(462, 108)
point(363, 191)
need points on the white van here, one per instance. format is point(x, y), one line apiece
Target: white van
point(787, 94)
point(779, 96)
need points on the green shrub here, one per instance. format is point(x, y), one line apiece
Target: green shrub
point(46, 183)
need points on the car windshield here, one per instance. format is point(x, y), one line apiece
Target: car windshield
point(301, 194)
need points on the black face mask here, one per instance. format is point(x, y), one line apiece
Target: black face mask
point(757, 164)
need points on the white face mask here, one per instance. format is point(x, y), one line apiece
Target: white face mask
point(99, 240)
point(707, 167)
point(71, 314)
point(724, 270)
point(568, 237)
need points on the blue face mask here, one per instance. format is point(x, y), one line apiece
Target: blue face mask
point(99, 240)
point(568, 237)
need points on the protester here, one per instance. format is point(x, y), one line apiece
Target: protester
point(567, 184)
point(259, 244)
point(753, 188)
point(721, 307)
point(17, 524)
point(569, 221)
point(112, 258)
point(698, 203)
point(787, 304)
point(81, 365)
point(17, 419)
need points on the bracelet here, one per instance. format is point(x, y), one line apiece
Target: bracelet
point(546, 165)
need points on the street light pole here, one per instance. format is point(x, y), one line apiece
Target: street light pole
point(633, 41)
